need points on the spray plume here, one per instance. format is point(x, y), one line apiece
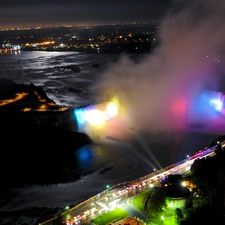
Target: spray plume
point(164, 85)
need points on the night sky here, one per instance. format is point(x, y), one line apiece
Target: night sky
point(27, 13)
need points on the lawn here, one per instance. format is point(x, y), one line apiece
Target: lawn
point(111, 217)
point(139, 200)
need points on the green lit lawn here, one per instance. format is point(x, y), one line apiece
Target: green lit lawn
point(169, 221)
point(111, 217)
point(139, 200)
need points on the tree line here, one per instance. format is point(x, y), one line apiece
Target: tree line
point(207, 204)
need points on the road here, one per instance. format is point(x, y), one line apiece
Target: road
point(120, 196)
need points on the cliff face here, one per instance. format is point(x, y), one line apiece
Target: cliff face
point(9, 88)
point(29, 105)
point(35, 149)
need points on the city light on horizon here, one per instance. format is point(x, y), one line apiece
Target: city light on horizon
point(45, 13)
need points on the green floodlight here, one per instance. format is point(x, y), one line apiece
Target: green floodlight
point(107, 186)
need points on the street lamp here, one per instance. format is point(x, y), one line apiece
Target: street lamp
point(67, 208)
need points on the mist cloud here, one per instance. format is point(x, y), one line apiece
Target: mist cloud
point(163, 85)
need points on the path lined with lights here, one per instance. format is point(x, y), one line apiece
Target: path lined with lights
point(109, 199)
point(44, 106)
point(18, 97)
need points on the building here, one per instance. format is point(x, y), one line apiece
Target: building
point(177, 196)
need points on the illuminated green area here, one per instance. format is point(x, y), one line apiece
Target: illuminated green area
point(140, 199)
point(68, 217)
point(163, 219)
point(111, 217)
point(168, 221)
point(173, 204)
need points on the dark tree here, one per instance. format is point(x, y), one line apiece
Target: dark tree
point(208, 174)
point(178, 215)
point(156, 202)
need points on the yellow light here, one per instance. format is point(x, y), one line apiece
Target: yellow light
point(112, 109)
point(115, 100)
point(17, 97)
point(95, 117)
point(26, 109)
point(43, 107)
point(52, 103)
point(63, 108)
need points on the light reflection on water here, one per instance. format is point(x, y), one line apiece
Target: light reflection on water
point(125, 160)
point(84, 156)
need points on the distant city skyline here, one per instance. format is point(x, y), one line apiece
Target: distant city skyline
point(43, 13)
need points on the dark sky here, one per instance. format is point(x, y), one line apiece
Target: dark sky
point(14, 13)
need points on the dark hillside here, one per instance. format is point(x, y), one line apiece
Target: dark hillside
point(38, 155)
point(33, 152)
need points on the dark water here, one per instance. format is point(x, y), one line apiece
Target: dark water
point(35, 157)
